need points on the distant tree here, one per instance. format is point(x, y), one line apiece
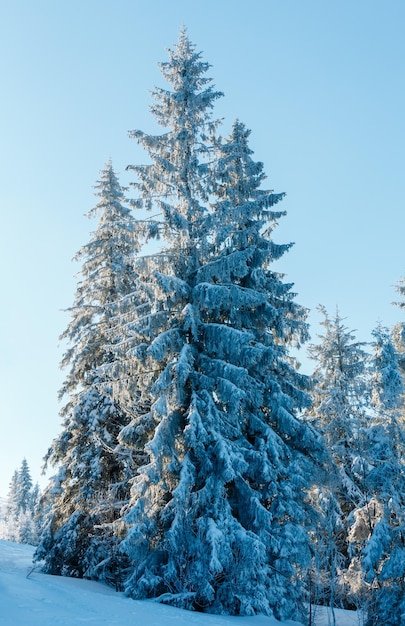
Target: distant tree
point(340, 400)
point(21, 523)
point(10, 530)
point(399, 328)
point(24, 490)
point(386, 382)
point(339, 412)
point(91, 485)
point(377, 534)
point(217, 513)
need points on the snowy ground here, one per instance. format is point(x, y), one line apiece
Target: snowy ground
point(42, 600)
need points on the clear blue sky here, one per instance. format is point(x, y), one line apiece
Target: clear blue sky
point(321, 85)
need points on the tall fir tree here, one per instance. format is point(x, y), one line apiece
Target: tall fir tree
point(217, 515)
point(91, 485)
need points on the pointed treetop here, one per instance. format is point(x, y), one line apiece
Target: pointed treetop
point(388, 387)
point(111, 194)
point(185, 71)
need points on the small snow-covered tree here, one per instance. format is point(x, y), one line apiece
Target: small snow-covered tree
point(377, 534)
point(339, 412)
point(24, 488)
point(85, 497)
point(21, 522)
point(217, 515)
point(10, 526)
point(386, 383)
point(399, 328)
point(339, 404)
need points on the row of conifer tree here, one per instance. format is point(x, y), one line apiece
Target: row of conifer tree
point(196, 464)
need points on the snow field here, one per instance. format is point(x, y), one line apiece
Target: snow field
point(29, 598)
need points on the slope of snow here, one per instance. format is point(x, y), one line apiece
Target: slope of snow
point(30, 598)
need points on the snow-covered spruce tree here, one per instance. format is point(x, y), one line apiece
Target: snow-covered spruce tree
point(339, 412)
point(217, 516)
point(399, 328)
point(24, 487)
point(10, 530)
point(21, 523)
point(377, 534)
point(91, 485)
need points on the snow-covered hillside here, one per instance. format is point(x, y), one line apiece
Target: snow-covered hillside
point(29, 598)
